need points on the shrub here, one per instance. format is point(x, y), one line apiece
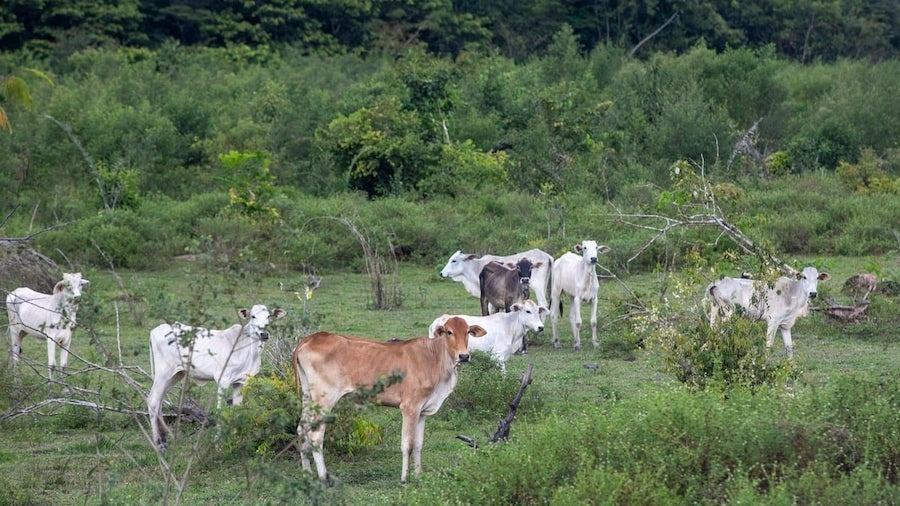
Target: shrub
point(265, 422)
point(867, 175)
point(732, 354)
point(675, 446)
point(483, 391)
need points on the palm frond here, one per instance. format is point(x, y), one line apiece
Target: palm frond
point(16, 89)
point(39, 74)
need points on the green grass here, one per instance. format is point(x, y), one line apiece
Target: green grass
point(74, 457)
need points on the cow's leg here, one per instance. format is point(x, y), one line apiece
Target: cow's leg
point(66, 341)
point(417, 447)
point(237, 394)
point(485, 306)
point(594, 341)
point(554, 317)
point(15, 338)
point(770, 334)
point(161, 384)
point(575, 321)
point(539, 280)
point(788, 342)
point(411, 417)
point(51, 355)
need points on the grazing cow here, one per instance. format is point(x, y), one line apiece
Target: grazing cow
point(576, 275)
point(779, 305)
point(505, 331)
point(229, 357)
point(50, 317)
point(329, 366)
point(465, 268)
point(502, 286)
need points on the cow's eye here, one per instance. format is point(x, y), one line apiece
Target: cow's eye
point(529, 312)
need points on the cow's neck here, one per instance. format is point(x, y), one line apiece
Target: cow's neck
point(439, 350)
point(511, 322)
point(242, 343)
point(64, 310)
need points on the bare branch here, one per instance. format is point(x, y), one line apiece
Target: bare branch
point(652, 34)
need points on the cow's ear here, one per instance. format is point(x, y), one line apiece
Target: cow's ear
point(542, 310)
point(245, 313)
point(440, 331)
point(537, 265)
point(85, 283)
point(603, 248)
point(824, 276)
point(58, 287)
point(511, 265)
point(578, 248)
point(477, 331)
point(278, 313)
point(471, 257)
point(516, 307)
point(799, 275)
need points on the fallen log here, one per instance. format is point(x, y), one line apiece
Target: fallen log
point(846, 314)
point(503, 429)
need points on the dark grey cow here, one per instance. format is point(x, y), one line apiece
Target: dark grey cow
point(502, 286)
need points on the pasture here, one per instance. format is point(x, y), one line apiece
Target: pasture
point(73, 456)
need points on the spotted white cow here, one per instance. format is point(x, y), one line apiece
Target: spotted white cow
point(779, 304)
point(505, 331)
point(466, 268)
point(576, 274)
point(228, 357)
point(49, 317)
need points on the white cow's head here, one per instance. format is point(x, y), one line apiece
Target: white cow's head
point(589, 251)
point(530, 315)
point(71, 285)
point(257, 318)
point(809, 277)
point(456, 265)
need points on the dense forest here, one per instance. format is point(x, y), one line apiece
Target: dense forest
point(180, 127)
point(805, 30)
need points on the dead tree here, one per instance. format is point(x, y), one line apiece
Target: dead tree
point(701, 210)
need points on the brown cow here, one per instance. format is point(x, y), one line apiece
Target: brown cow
point(329, 366)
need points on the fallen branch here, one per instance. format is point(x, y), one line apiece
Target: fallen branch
point(503, 429)
point(846, 314)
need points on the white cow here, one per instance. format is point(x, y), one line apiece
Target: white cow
point(779, 305)
point(505, 331)
point(50, 317)
point(576, 275)
point(465, 268)
point(228, 357)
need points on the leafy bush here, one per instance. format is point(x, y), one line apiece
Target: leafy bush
point(677, 446)
point(483, 392)
point(732, 354)
point(265, 422)
point(250, 184)
point(867, 175)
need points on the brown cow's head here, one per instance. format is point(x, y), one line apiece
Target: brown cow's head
point(456, 331)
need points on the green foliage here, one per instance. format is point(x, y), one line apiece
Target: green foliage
point(484, 392)
point(464, 170)
point(265, 422)
point(119, 186)
point(867, 175)
point(733, 354)
point(251, 186)
point(676, 446)
point(352, 432)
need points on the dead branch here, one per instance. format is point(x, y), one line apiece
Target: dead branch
point(652, 34)
point(8, 216)
point(704, 211)
point(502, 433)
point(846, 314)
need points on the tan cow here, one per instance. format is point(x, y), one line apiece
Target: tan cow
point(329, 366)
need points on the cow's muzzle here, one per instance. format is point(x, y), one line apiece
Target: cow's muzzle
point(463, 357)
point(264, 336)
point(813, 295)
point(540, 329)
point(593, 260)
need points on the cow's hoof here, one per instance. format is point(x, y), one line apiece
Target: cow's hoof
point(595, 345)
point(577, 347)
point(556, 346)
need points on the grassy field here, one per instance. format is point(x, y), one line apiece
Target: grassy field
point(77, 457)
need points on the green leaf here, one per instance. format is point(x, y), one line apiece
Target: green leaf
point(39, 74)
point(16, 89)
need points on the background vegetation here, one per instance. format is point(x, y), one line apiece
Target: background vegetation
point(209, 151)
